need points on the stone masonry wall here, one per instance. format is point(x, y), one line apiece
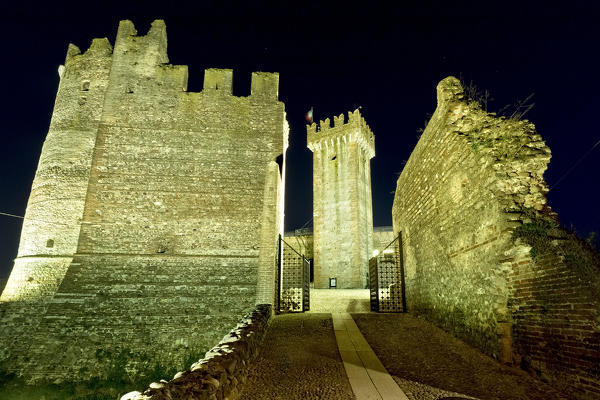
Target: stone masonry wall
point(52, 219)
point(471, 183)
point(342, 210)
point(302, 243)
point(222, 373)
point(181, 214)
point(269, 239)
point(382, 237)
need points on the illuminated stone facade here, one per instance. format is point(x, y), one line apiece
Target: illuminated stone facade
point(302, 240)
point(470, 204)
point(342, 210)
point(154, 214)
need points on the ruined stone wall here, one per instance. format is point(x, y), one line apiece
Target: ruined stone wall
point(471, 181)
point(554, 299)
point(181, 209)
point(342, 210)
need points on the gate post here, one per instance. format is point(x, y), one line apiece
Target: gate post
point(279, 272)
point(306, 285)
point(400, 255)
point(373, 284)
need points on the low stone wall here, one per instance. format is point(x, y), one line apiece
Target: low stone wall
point(223, 370)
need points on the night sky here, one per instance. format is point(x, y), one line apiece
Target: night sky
point(336, 58)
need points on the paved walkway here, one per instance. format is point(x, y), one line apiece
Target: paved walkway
point(368, 377)
point(335, 355)
point(429, 363)
point(298, 360)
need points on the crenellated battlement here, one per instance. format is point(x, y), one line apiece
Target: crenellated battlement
point(218, 79)
point(354, 129)
point(100, 47)
point(265, 84)
point(135, 168)
point(152, 46)
point(136, 56)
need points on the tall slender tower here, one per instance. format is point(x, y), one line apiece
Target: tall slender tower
point(342, 210)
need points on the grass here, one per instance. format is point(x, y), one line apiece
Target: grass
point(115, 382)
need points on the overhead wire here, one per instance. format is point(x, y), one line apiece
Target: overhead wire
point(587, 153)
point(32, 219)
point(11, 215)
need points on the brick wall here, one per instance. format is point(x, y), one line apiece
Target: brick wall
point(556, 316)
point(472, 179)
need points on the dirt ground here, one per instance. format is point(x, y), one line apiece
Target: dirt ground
point(415, 350)
point(299, 359)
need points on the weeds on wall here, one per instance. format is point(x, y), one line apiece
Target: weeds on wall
point(515, 111)
point(538, 231)
point(543, 232)
point(474, 94)
point(117, 379)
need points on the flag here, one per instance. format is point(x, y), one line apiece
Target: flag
point(309, 116)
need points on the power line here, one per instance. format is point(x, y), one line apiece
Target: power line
point(575, 165)
point(34, 219)
point(11, 215)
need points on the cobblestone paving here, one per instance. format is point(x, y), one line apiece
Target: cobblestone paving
point(299, 359)
point(412, 349)
point(421, 391)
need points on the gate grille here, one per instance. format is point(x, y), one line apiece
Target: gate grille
point(295, 280)
point(386, 277)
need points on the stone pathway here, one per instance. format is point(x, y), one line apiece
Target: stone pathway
point(368, 377)
point(299, 359)
point(339, 356)
point(429, 363)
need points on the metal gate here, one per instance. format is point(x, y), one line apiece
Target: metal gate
point(294, 280)
point(386, 279)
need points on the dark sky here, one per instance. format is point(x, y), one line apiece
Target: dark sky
point(335, 58)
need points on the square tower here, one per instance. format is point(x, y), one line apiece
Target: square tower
point(342, 210)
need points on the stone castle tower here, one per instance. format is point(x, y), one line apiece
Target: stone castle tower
point(342, 210)
point(154, 215)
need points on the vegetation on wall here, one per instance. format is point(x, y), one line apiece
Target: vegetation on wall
point(484, 99)
point(544, 233)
